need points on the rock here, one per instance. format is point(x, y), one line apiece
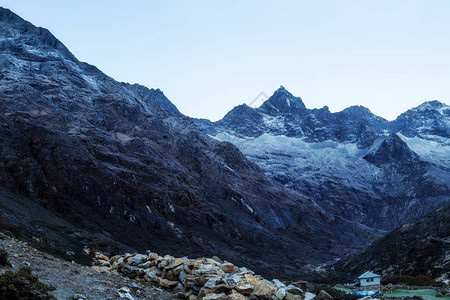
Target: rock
point(178, 262)
point(138, 259)
point(280, 293)
point(278, 283)
point(101, 257)
point(244, 287)
point(168, 283)
point(182, 276)
point(235, 296)
point(228, 267)
point(145, 265)
point(113, 259)
point(178, 291)
point(78, 297)
point(132, 271)
point(210, 270)
point(220, 296)
point(124, 292)
point(263, 289)
point(212, 282)
point(323, 296)
point(304, 285)
point(309, 296)
point(99, 269)
point(152, 275)
point(290, 296)
point(245, 270)
point(294, 290)
point(217, 259)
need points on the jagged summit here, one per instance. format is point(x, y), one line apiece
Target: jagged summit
point(282, 101)
point(431, 118)
point(7, 15)
point(433, 105)
point(28, 41)
point(358, 109)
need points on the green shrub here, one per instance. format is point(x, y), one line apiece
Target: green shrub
point(420, 280)
point(3, 258)
point(23, 285)
point(335, 293)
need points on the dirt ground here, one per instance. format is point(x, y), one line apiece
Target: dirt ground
point(70, 279)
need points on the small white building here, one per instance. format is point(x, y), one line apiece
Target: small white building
point(369, 278)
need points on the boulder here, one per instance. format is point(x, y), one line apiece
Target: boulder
point(168, 283)
point(228, 267)
point(210, 270)
point(153, 256)
point(100, 256)
point(290, 296)
point(280, 293)
point(235, 296)
point(152, 275)
point(294, 290)
point(113, 259)
point(323, 296)
point(124, 292)
point(177, 262)
point(263, 289)
point(278, 283)
point(220, 296)
point(138, 259)
point(309, 296)
point(99, 269)
point(244, 287)
point(182, 276)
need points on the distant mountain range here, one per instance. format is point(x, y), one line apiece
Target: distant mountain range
point(372, 173)
point(302, 188)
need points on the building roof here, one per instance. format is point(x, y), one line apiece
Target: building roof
point(368, 274)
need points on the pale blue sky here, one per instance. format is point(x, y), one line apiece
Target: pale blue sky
point(209, 56)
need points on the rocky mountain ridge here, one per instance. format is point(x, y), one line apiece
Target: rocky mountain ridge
point(355, 165)
point(121, 162)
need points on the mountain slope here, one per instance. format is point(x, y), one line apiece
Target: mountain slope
point(120, 161)
point(419, 248)
point(374, 174)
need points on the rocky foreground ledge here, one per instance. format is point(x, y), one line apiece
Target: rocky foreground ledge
point(201, 278)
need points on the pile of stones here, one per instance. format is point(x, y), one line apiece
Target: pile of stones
point(201, 278)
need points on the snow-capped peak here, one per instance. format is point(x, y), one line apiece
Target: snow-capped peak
point(282, 101)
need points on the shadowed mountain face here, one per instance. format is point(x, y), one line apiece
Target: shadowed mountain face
point(419, 248)
point(356, 166)
point(121, 161)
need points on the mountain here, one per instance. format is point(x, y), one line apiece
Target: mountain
point(361, 168)
point(282, 188)
point(428, 119)
point(419, 248)
point(121, 163)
